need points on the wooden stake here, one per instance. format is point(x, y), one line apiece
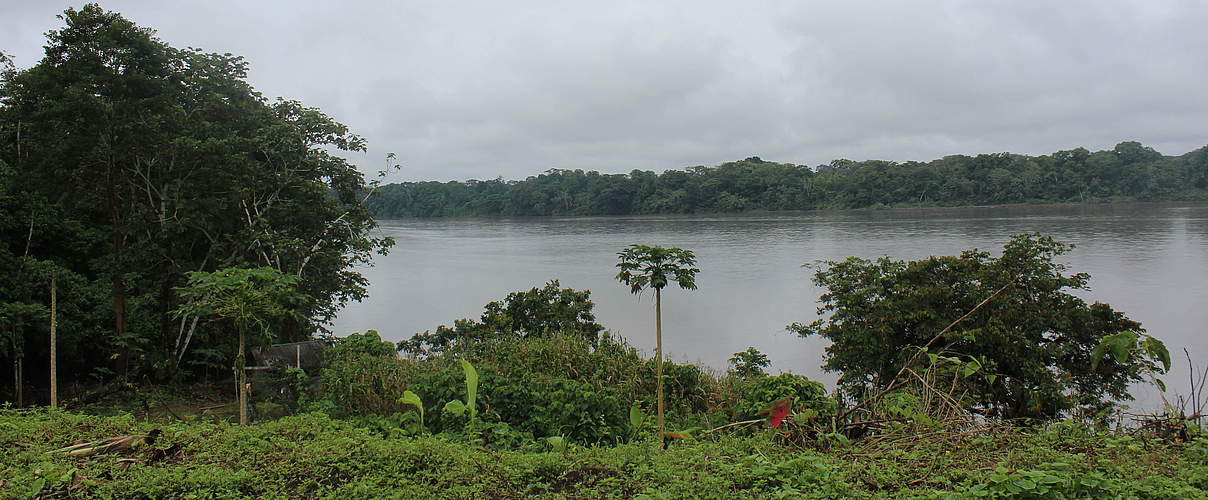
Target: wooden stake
point(54, 351)
point(658, 339)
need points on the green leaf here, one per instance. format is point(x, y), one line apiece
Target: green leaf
point(558, 443)
point(990, 377)
point(636, 418)
point(1026, 484)
point(410, 398)
point(1123, 345)
point(1161, 385)
point(471, 387)
point(1157, 349)
point(455, 407)
point(1119, 345)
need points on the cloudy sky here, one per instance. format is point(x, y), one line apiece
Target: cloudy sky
point(479, 90)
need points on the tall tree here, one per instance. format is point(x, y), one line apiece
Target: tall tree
point(165, 161)
point(645, 267)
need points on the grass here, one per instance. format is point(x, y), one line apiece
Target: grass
point(315, 456)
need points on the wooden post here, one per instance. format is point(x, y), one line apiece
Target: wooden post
point(298, 356)
point(54, 350)
point(241, 377)
point(658, 338)
point(20, 375)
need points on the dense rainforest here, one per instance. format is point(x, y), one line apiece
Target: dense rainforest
point(126, 164)
point(1130, 171)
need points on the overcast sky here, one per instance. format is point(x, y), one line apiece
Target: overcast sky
point(479, 90)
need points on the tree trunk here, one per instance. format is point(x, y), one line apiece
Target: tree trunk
point(119, 323)
point(119, 292)
point(54, 342)
point(658, 352)
point(241, 379)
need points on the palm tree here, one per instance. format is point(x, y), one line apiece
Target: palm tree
point(645, 267)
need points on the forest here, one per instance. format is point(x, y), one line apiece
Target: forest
point(160, 220)
point(127, 164)
point(1130, 171)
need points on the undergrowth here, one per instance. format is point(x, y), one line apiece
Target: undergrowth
point(315, 456)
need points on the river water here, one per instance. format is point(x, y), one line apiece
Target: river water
point(1148, 260)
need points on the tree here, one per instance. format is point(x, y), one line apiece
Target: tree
point(1034, 339)
point(142, 162)
point(645, 267)
point(250, 299)
point(749, 363)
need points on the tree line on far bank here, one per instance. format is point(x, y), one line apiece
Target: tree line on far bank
point(1130, 171)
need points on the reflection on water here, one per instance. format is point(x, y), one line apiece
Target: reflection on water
point(1149, 260)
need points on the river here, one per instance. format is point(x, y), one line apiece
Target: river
point(1148, 260)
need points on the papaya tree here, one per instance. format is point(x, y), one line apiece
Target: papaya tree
point(250, 299)
point(645, 267)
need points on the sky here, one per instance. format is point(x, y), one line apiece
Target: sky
point(462, 90)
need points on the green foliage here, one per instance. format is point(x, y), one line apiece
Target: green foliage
point(1032, 344)
point(409, 398)
point(249, 298)
point(543, 386)
point(749, 363)
point(139, 163)
point(471, 388)
point(368, 344)
point(643, 267)
point(1128, 171)
point(315, 456)
point(759, 394)
point(1052, 481)
point(637, 420)
point(361, 376)
point(457, 408)
point(539, 312)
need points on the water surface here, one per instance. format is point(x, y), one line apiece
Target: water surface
point(1148, 260)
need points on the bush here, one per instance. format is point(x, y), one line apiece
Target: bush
point(759, 394)
point(553, 385)
point(1035, 341)
point(361, 376)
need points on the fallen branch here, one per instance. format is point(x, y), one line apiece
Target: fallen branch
point(734, 424)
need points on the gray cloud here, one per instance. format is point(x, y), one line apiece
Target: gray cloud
point(462, 90)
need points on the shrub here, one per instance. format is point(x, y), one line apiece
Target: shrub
point(1036, 338)
point(361, 376)
point(761, 393)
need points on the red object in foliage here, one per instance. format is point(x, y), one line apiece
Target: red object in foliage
point(778, 412)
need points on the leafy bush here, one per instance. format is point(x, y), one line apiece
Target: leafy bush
point(361, 375)
point(1051, 481)
point(1038, 338)
point(538, 312)
point(759, 394)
